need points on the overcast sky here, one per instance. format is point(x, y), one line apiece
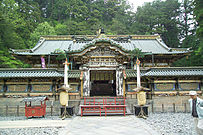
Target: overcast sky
point(137, 3)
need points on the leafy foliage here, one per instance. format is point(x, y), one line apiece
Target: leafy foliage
point(42, 29)
point(135, 54)
point(159, 17)
point(199, 18)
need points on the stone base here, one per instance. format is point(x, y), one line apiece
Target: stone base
point(69, 109)
point(139, 108)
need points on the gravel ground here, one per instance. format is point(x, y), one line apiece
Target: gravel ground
point(165, 123)
point(13, 118)
point(30, 131)
point(171, 123)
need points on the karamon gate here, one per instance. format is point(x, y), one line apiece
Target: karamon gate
point(103, 70)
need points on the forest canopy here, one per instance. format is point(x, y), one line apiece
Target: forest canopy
point(178, 23)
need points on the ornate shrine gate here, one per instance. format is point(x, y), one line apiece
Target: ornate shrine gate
point(103, 70)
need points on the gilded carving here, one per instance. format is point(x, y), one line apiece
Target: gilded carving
point(189, 86)
point(165, 86)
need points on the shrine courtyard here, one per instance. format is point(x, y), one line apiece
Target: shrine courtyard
point(117, 125)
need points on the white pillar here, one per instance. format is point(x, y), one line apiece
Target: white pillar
point(66, 74)
point(138, 73)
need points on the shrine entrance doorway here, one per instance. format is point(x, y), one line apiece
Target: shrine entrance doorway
point(103, 83)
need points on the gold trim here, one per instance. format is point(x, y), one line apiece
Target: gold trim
point(165, 92)
point(37, 94)
point(165, 81)
point(25, 83)
point(81, 88)
point(70, 94)
point(135, 83)
point(74, 83)
point(102, 56)
point(40, 82)
point(8, 94)
point(123, 87)
point(197, 81)
point(187, 92)
point(102, 61)
point(131, 83)
point(144, 37)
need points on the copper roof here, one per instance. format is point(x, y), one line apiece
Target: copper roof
point(151, 44)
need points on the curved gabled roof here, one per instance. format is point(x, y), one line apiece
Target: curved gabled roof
point(151, 44)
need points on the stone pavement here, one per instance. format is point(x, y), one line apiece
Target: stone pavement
point(87, 125)
point(111, 125)
point(34, 123)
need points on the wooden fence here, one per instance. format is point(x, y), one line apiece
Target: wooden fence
point(20, 110)
point(169, 108)
point(55, 110)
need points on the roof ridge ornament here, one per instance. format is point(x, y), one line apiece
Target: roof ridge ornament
point(101, 33)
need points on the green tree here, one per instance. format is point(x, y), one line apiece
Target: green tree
point(23, 15)
point(198, 11)
point(134, 55)
point(118, 28)
point(158, 17)
point(61, 29)
point(42, 29)
point(10, 21)
point(9, 38)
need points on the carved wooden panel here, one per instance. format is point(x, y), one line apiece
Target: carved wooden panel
point(102, 51)
point(103, 56)
point(41, 87)
point(17, 87)
point(132, 86)
point(165, 86)
point(102, 61)
point(189, 86)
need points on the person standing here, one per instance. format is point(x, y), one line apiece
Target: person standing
point(196, 106)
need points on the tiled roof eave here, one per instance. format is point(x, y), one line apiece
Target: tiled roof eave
point(173, 75)
point(36, 73)
point(78, 51)
point(158, 72)
point(171, 53)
